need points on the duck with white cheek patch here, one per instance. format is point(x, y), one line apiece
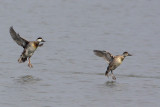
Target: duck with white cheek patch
point(29, 46)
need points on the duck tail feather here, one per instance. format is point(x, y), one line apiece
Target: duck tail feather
point(22, 59)
point(107, 71)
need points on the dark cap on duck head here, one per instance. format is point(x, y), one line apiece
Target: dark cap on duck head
point(126, 54)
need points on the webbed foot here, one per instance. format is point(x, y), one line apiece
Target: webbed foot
point(30, 65)
point(113, 77)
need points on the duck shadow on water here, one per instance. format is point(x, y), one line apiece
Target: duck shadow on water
point(27, 79)
point(111, 83)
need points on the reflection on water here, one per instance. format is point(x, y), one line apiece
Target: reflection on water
point(111, 83)
point(27, 79)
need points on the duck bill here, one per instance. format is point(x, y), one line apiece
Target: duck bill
point(129, 55)
point(43, 41)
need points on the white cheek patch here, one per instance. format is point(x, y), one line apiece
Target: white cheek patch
point(39, 40)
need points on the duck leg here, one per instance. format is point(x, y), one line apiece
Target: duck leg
point(106, 73)
point(29, 63)
point(113, 77)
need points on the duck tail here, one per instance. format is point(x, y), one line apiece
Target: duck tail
point(22, 59)
point(107, 71)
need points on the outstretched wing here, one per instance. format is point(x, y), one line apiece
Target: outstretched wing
point(16, 37)
point(106, 55)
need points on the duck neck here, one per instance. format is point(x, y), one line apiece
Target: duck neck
point(37, 43)
point(123, 57)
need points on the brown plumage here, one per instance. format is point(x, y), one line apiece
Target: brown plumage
point(114, 61)
point(29, 46)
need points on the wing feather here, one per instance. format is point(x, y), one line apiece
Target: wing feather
point(16, 37)
point(106, 55)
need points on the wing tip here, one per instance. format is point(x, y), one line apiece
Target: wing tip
point(98, 53)
point(96, 50)
point(11, 29)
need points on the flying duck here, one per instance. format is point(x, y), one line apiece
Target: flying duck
point(29, 46)
point(113, 61)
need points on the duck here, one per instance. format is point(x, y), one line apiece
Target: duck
point(113, 61)
point(29, 47)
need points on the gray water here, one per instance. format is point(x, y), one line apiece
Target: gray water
point(66, 72)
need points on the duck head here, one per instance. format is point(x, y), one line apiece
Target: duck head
point(126, 54)
point(40, 39)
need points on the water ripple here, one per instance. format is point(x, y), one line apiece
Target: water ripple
point(27, 79)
